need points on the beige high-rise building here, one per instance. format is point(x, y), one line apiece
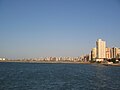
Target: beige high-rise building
point(108, 53)
point(101, 49)
point(94, 53)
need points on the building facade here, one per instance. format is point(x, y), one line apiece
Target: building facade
point(108, 53)
point(115, 52)
point(118, 53)
point(93, 53)
point(101, 49)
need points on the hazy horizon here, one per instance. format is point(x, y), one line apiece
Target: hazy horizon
point(43, 28)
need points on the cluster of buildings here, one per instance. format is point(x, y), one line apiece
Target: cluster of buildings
point(101, 52)
point(59, 59)
point(98, 54)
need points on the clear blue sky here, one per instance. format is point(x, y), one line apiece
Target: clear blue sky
point(40, 28)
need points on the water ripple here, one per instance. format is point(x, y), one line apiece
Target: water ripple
point(27, 76)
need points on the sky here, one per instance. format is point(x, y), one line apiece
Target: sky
point(43, 28)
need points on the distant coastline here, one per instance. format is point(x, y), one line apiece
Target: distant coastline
point(45, 61)
point(58, 62)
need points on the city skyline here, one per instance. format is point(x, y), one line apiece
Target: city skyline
point(32, 29)
point(102, 53)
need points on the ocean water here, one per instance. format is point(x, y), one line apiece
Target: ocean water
point(38, 76)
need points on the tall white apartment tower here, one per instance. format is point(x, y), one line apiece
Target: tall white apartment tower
point(101, 49)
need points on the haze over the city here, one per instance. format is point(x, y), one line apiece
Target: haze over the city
point(43, 28)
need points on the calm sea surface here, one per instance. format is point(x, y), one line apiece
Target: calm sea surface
point(36, 76)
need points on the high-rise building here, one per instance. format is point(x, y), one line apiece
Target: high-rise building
point(101, 49)
point(108, 53)
point(115, 52)
point(93, 53)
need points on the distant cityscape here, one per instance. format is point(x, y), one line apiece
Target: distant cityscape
point(101, 53)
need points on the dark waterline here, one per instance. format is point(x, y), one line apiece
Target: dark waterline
point(40, 76)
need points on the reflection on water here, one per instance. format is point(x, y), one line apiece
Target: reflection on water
point(28, 76)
